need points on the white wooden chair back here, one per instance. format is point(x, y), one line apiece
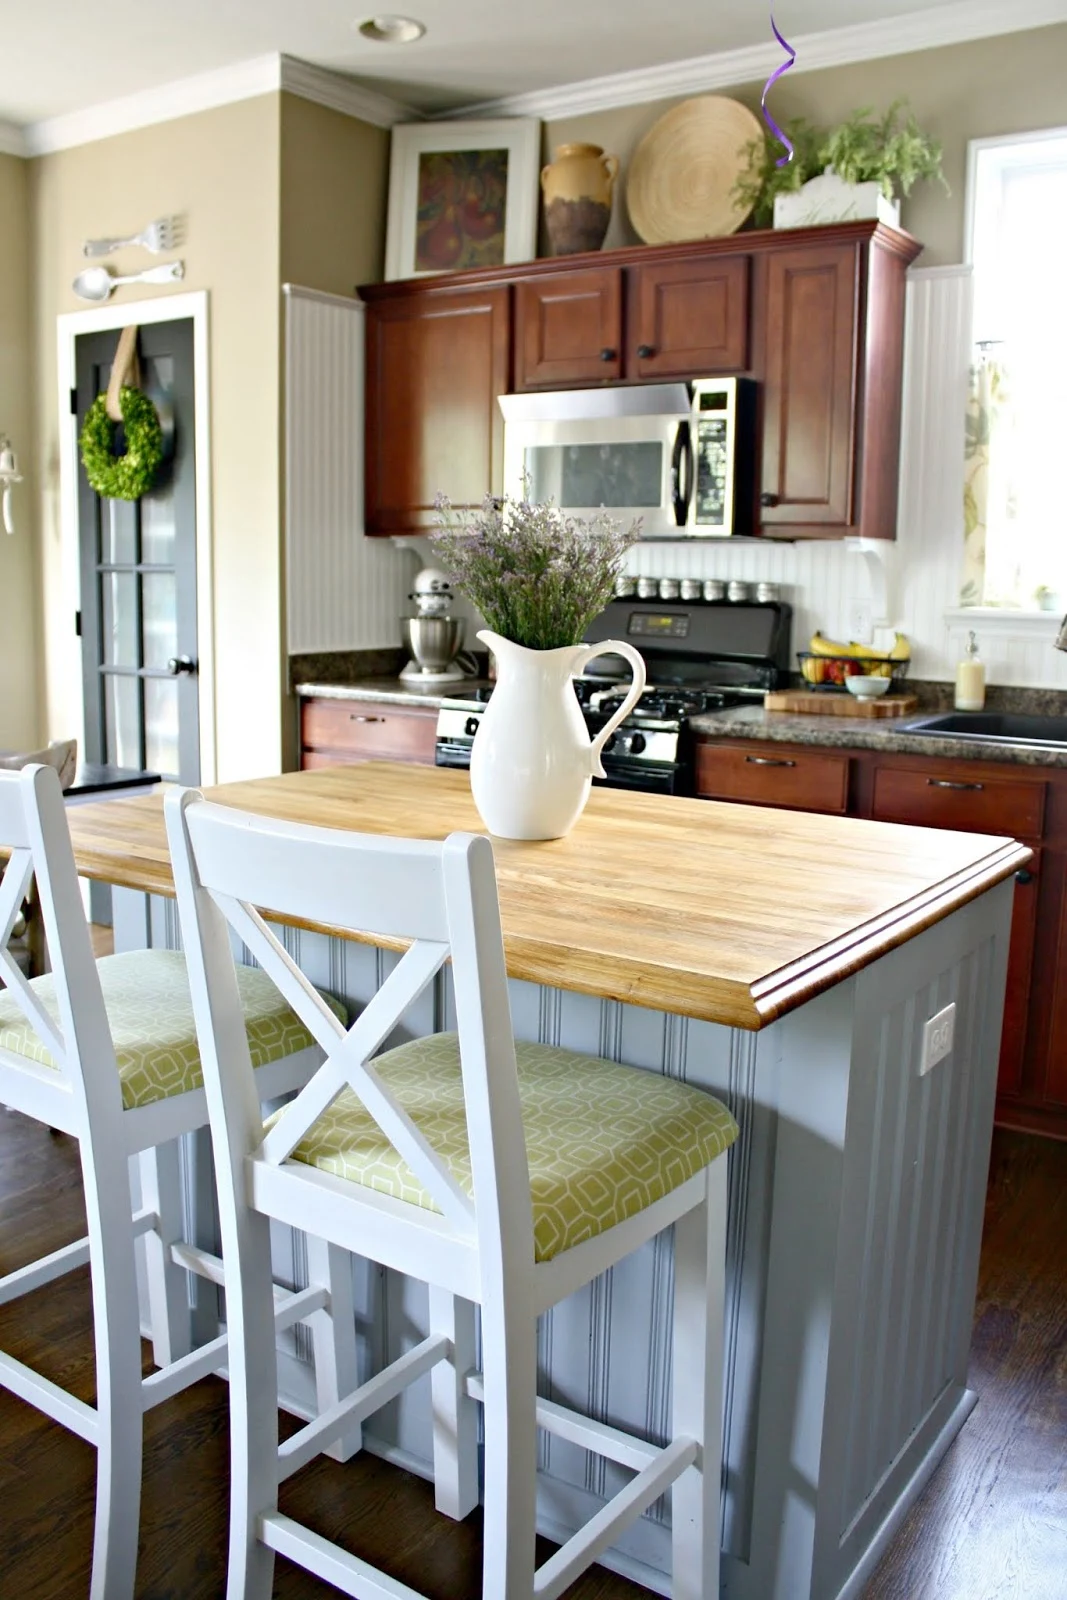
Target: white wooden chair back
point(440, 896)
point(33, 824)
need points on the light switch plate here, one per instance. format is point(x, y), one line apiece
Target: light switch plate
point(938, 1036)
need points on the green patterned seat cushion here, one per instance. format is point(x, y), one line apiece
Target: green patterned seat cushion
point(149, 1008)
point(602, 1141)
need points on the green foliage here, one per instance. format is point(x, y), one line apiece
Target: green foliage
point(890, 150)
point(129, 476)
point(537, 577)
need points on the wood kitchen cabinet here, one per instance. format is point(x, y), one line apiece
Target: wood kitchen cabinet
point(337, 733)
point(815, 316)
point(436, 362)
point(1027, 803)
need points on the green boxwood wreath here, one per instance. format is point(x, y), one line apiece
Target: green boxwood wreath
point(129, 476)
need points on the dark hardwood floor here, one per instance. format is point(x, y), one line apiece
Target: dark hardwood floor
point(992, 1523)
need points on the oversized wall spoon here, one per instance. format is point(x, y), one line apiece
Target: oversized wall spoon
point(97, 283)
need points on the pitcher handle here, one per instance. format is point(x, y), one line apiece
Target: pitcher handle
point(615, 647)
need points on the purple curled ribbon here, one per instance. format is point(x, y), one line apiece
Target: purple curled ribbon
point(771, 81)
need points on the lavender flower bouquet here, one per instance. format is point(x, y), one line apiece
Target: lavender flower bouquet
point(538, 577)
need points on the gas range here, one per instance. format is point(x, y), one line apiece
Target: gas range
point(699, 657)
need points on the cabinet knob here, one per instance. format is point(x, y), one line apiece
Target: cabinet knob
point(607, 354)
point(644, 351)
point(1024, 875)
point(767, 499)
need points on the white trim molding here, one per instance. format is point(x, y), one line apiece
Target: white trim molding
point(163, 308)
point(1003, 621)
point(836, 47)
point(244, 80)
point(12, 139)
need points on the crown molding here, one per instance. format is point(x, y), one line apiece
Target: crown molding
point(865, 41)
point(12, 139)
point(338, 93)
point(244, 80)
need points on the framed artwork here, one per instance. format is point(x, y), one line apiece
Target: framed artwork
point(462, 194)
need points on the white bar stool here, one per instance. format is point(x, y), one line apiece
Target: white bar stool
point(106, 1052)
point(504, 1179)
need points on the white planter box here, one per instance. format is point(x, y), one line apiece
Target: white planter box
point(828, 198)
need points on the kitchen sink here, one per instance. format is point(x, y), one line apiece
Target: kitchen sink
point(999, 727)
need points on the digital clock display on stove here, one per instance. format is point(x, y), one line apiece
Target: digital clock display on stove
point(658, 625)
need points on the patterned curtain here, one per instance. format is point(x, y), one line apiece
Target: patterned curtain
point(987, 498)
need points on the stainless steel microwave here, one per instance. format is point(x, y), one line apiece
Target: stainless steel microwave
point(678, 455)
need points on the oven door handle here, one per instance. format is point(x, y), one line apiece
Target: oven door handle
point(681, 496)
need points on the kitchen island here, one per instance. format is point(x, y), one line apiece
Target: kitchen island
point(789, 963)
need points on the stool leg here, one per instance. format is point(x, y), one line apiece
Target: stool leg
point(253, 1364)
point(168, 1286)
point(509, 1370)
point(699, 1271)
point(118, 1381)
point(333, 1334)
point(455, 1414)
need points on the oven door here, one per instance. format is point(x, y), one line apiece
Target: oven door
point(646, 776)
point(588, 452)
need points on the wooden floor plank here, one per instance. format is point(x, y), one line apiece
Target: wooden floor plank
point(991, 1525)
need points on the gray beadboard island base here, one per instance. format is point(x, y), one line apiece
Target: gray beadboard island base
point(856, 1204)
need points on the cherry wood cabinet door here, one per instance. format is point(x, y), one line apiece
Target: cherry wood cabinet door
point(335, 733)
point(688, 318)
point(568, 328)
point(773, 775)
point(435, 366)
point(1020, 970)
point(809, 422)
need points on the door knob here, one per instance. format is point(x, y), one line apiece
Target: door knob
point(768, 499)
point(645, 351)
point(181, 666)
point(607, 354)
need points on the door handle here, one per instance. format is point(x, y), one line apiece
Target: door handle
point(767, 499)
point(948, 783)
point(607, 354)
point(645, 352)
point(1024, 875)
point(354, 716)
point(768, 761)
point(181, 667)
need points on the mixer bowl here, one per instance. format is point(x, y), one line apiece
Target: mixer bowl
point(434, 642)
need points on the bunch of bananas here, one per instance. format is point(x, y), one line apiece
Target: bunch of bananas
point(828, 661)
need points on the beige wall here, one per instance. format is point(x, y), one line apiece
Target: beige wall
point(334, 175)
point(220, 169)
point(994, 86)
point(20, 718)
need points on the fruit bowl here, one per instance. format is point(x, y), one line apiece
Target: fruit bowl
point(832, 672)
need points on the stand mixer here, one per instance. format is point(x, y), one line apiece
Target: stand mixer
point(433, 636)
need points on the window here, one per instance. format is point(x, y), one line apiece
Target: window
point(1017, 417)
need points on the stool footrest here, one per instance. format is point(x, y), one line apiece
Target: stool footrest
point(592, 1539)
point(45, 1270)
point(586, 1432)
point(328, 1561)
point(360, 1404)
point(48, 1397)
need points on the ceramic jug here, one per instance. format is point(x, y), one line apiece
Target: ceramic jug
point(532, 761)
point(578, 187)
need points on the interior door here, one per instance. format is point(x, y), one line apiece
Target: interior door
point(138, 574)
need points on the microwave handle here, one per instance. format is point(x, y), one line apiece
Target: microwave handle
point(683, 447)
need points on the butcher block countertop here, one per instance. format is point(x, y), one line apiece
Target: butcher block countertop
point(733, 914)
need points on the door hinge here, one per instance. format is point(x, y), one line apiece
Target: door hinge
point(78, 624)
point(74, 402)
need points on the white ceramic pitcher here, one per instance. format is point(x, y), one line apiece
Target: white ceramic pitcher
point(532, 762)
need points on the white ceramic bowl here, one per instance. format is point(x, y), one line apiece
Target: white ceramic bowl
point(867, 688)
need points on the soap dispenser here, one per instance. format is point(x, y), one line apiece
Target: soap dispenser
point(970, 679)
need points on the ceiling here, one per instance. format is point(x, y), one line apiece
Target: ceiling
point(61, 56)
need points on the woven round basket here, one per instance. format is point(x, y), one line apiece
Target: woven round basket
point(683, 171)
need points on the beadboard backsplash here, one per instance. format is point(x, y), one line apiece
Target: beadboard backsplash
point(347, 591)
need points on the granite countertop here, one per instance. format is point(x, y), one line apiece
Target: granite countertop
point(865, 733)
point(393, 691)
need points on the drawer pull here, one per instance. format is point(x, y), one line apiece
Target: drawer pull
point(355, 716)
point(949, 783)
point(768, 761)
point(1024, 875)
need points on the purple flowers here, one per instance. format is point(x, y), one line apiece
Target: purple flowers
point(536, 576)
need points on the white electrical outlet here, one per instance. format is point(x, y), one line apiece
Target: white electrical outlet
point(861, 622)
point(938, 1035)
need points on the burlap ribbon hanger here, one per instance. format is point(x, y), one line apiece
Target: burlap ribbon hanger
point(125, 369)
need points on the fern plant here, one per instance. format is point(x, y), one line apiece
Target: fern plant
point(762, 178)
point(891, 151)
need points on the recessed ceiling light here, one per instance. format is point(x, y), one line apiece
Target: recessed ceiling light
point(392, 30)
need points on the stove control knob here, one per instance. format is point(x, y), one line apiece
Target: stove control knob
point(610, 744)
point(636, 743)
point(470, 727)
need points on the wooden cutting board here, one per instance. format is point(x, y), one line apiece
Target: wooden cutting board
point(812, 703)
